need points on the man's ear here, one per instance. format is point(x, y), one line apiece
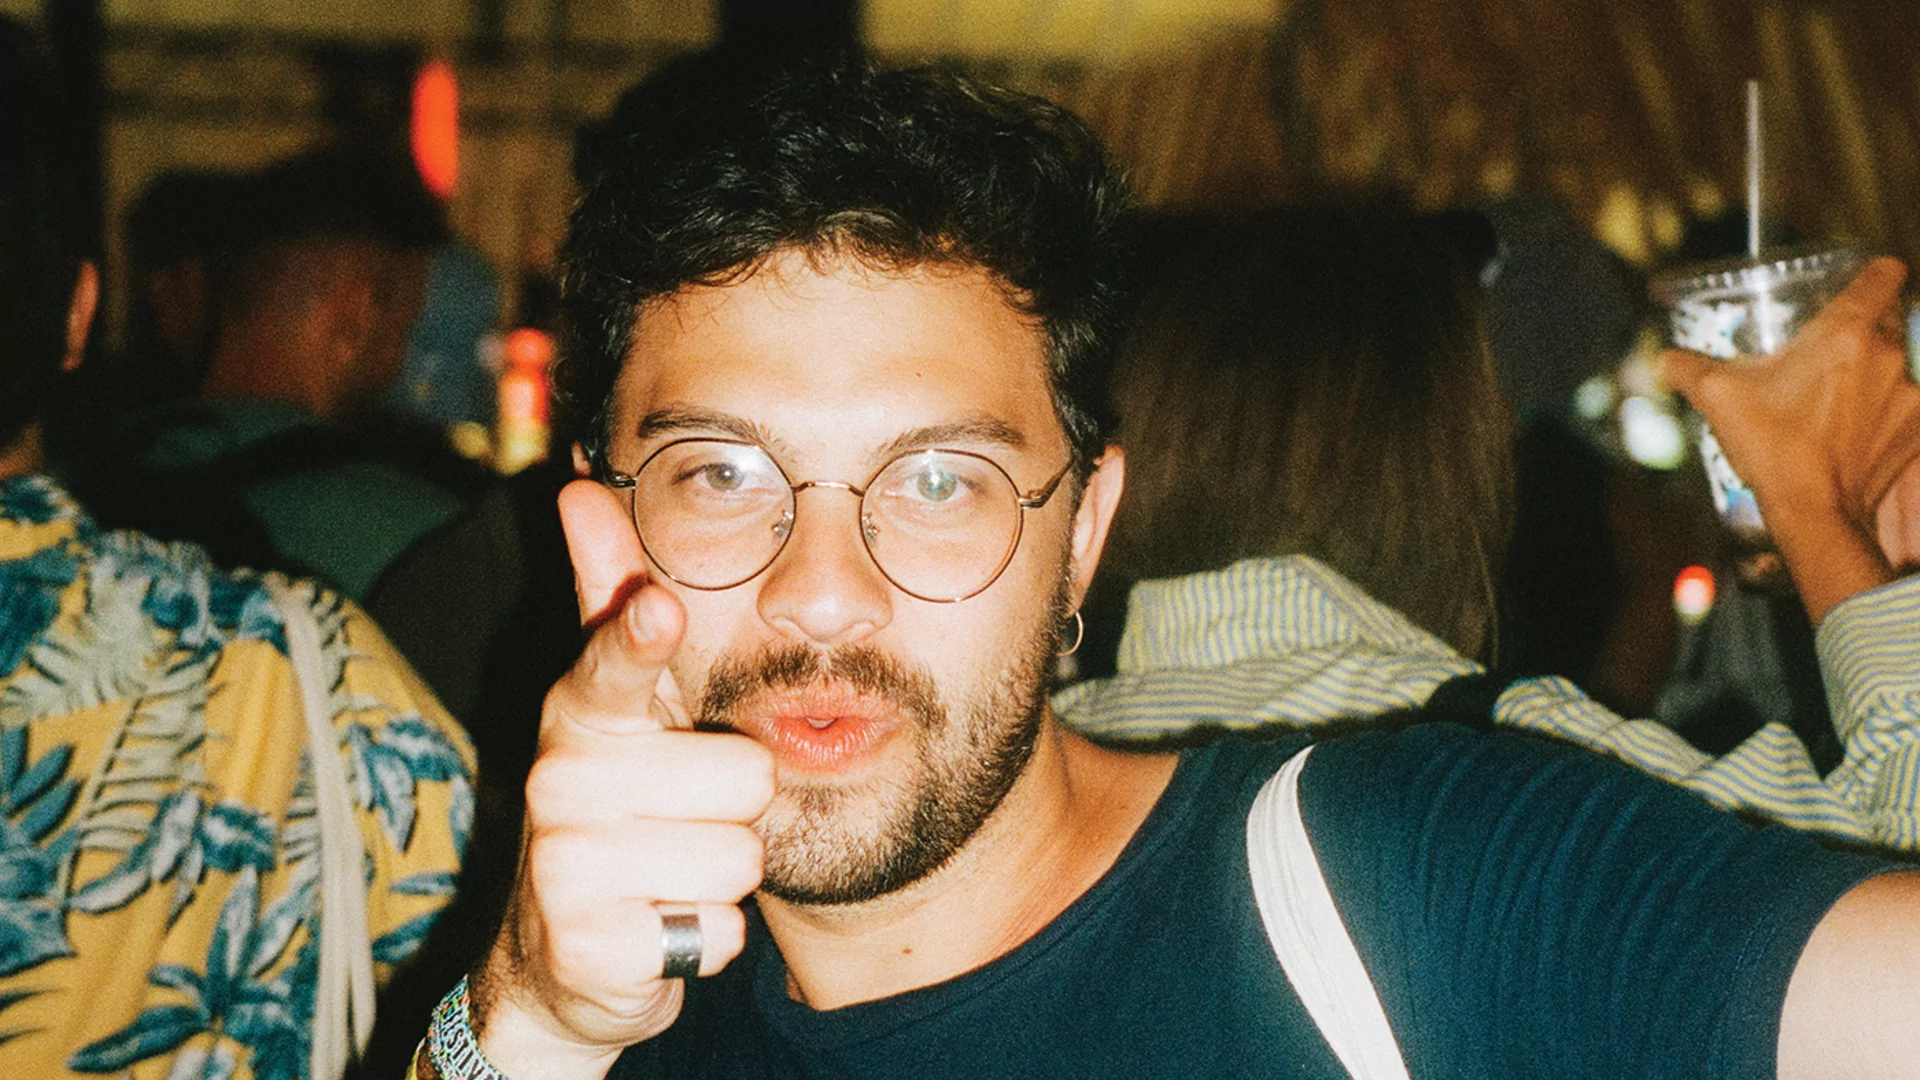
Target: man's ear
point(80, 309)
point(1098, 500)
point(582, 468)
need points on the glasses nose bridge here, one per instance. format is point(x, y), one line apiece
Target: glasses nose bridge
point(834, 485)
point(793, 508)
point(785, 553)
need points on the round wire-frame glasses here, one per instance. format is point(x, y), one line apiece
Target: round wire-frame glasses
point(675, 455)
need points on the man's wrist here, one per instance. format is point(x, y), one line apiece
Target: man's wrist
point(520, 1046)
point(450, 1049)
point(453, 1051)
point(1831, 556)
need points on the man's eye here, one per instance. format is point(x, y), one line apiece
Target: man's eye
point(722, 476)
point(708, 478)
point(936, 485)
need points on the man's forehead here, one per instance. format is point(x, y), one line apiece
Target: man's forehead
point(916, 346)
point(792, 269)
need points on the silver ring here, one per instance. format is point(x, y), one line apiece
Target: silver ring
point(679, 945)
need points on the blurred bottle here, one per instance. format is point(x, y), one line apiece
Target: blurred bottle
point(525, 392)
point(523, 430)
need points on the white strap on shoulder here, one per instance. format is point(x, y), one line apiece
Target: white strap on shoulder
point(343, 991)
point(1308, 935)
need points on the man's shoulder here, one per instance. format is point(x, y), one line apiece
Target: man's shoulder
point(1434, 792)
point(1442, 757)
point(107, 586)
point(106, 594)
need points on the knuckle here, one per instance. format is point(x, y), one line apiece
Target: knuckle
point(563, 697)
point(724, 930)
point(738, 861)
point(547, 860)
point(753, 770)
point(577, 958)
point(560, 866)
point(552, 785)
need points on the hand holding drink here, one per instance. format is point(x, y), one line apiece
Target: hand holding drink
point(1821, 430)
point(632, 818)
point(1749, 308)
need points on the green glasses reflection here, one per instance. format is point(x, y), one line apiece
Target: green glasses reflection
point(940, 524)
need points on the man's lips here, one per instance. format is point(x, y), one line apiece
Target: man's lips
point(821, 729)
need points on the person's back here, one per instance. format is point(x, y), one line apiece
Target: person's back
point(282, 458)
point(162, 807)
point(167, 828)
point(1311, 380)
point(265, 483)
point(1321, 501)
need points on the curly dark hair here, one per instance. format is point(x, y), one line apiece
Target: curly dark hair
point(698, 178)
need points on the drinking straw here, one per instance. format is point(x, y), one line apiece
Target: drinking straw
point(1753, 168)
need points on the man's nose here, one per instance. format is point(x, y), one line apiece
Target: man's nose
point(824, 587)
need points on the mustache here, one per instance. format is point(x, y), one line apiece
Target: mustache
point(734, 680)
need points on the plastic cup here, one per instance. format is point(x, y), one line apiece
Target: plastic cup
point(1750, 307)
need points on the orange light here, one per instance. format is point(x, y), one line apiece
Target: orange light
point(523, 402)
point(529, 348)
point(1693, 591)
point(436, 127)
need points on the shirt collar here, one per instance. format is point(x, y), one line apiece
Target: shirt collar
point(1257, 609)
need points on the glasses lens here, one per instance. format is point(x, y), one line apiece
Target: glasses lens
point(712, 514)
point(941, 523)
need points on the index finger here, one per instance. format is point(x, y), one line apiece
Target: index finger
point(608, 564)
point(621, 677)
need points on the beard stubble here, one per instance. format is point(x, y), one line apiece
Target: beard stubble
point(965, 760)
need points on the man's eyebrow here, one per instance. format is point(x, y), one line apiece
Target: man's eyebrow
point(691, 420)
point(981, 429)
point(685, 420)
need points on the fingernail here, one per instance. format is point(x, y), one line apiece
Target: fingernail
point(638, 621)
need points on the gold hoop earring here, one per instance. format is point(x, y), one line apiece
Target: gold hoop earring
point(1079, 635)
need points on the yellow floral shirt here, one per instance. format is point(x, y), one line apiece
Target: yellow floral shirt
point(158, 833)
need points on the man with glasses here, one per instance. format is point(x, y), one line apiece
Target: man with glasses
point(801, 808)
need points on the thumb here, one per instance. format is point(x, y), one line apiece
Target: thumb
point(1685, 371)
point(608, 565)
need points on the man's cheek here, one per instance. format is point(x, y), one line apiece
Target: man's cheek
point(689, 668)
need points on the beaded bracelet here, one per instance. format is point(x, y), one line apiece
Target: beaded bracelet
point(450, 1043)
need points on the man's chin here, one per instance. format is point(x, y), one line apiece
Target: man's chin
point(834, 842)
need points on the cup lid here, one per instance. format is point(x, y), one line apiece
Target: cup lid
point(1748, 275)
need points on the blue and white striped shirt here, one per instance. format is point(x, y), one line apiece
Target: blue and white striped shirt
point(1289, 643)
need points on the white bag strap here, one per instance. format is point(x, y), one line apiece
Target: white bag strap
point(343, 991)
point(1308, 935)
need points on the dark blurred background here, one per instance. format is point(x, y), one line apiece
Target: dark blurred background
point(1629, 111)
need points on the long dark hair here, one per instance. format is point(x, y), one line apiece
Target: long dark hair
point(1316, 382)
